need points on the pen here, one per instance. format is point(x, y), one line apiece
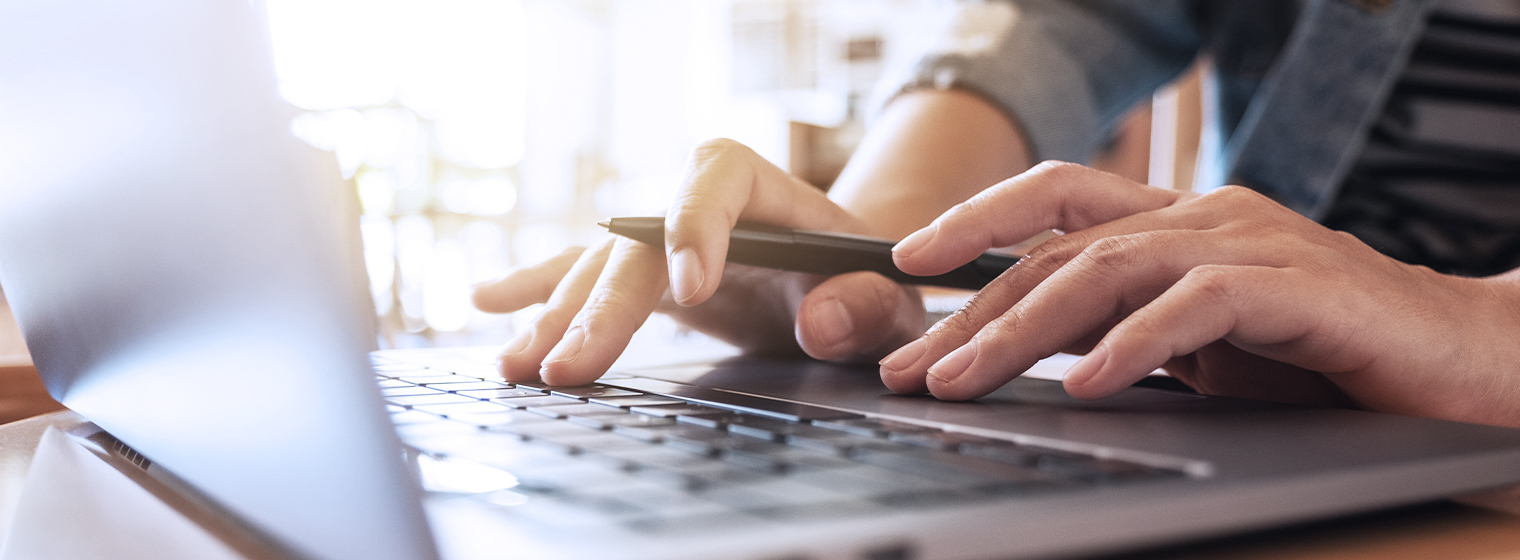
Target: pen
point(818, 252)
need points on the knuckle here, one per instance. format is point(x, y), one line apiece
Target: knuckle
point(1113, 253)
point(1216, 282)
point(1051, 255)
point(1247, 198)
point(1055, 169)
point(966, 321)
point(718, 147)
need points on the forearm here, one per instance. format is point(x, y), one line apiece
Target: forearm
point(930, 150)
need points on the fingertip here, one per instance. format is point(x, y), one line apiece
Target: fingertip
point(1091, 377)
point(904, 381)
point(905, 250)
point(560, 375)
point(825, 329)
point(516, 368)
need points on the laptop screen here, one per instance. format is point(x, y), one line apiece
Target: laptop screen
point(178, 266)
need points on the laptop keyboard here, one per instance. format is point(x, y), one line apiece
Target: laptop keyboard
point(656, 456)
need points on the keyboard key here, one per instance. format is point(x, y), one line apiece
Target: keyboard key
point(388, 383)
point(835, 442)
point(593, 391)
point(400, 370)
point(576, 409)
point(547, 430)
point(409, 390)
point(436, 378)
point(742, 403)
point(456, 387)
point(525, 402)
point(659, 500)
point(406, 417)
point(707, 421)
point(698, 440)
point(871, 427)
point(681, 470)
point(598, 421)
point(868, 482)
point(640, 426)
point(503, 416)
point(761, 427)
point(943, 441)
point(587, 442)
point(452, 409)
point(643, 400)
point(486, 371)
point(440, 398)
point(490, 394)
point(672, 411)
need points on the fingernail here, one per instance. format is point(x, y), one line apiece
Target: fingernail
point(686, 274)
point(569, 347)
point(906, 356)
point(516, 345)
point(1087, 367)
point(833, 323)
point(913, 243)
point(950, 367)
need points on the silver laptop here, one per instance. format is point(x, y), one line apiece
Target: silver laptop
point(171, 254)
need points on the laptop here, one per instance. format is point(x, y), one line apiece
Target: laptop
point(172, 257)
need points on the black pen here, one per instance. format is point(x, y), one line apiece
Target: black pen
point(819, 252)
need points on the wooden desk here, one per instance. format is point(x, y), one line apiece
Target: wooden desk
point(21, 392)
point(1440, 530)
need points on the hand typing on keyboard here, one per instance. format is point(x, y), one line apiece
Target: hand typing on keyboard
point(907, 173)
point(598, 297)
point(1230, 291)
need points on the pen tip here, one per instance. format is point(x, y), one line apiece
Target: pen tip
point(605, 223)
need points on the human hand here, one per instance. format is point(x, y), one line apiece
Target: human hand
point(1229, 291)
point(596, 298)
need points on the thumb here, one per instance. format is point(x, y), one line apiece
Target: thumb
point(858, 317)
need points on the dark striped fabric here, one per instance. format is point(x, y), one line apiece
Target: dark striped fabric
point(1438, 182)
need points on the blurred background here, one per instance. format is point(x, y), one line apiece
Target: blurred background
point(486, 134)
point(481, 135)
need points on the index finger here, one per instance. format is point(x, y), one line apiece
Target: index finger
point(727, 182)
point(1052, 195)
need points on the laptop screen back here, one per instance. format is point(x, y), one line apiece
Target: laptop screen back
point(177, 265)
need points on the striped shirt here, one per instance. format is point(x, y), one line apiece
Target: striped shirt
point(1438, 182)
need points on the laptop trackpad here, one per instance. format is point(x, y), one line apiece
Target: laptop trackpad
point(860, 388)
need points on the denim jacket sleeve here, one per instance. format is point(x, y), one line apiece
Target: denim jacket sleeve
point(1297, 84)
point(1065, 71)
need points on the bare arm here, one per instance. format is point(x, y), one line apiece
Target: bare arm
point(931, 150)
